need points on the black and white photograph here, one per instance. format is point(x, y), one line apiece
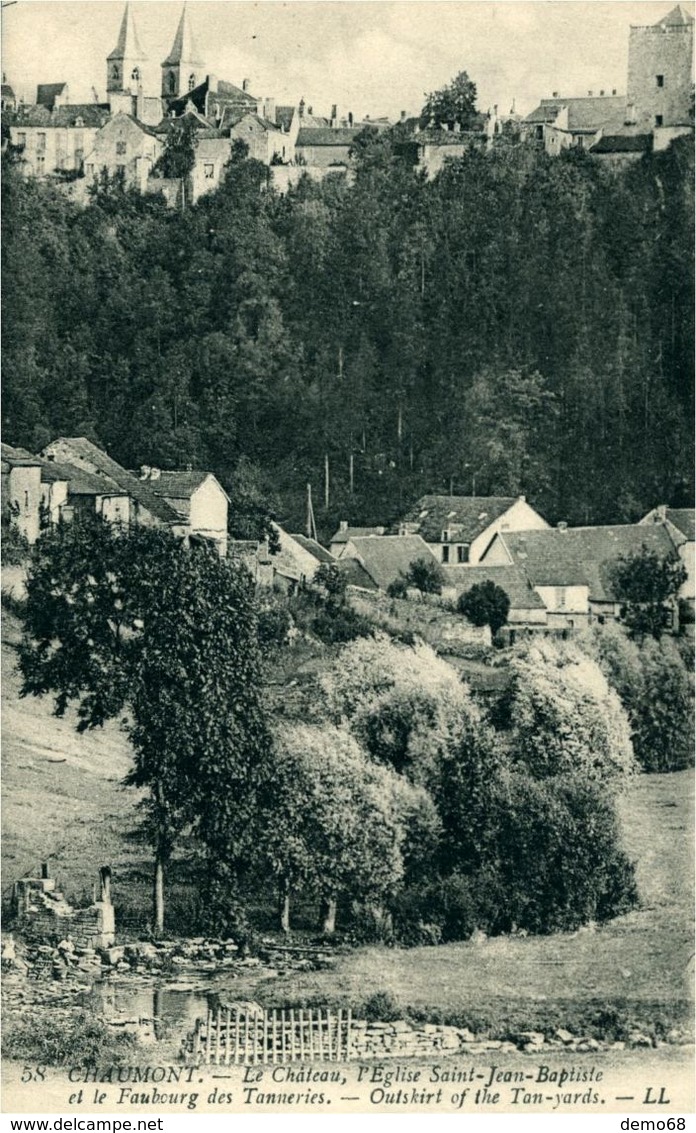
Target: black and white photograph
point(347, 561)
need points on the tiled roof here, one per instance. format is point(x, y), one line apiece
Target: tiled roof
point(314, 548)
point(118, 477)
point(18, 457)
point(342, 536)
point(588, 113)
point(511, 579)
point(355, 574)
point(175, 485)
point(90, 114)
point(46, 93)
point(323, 136)
point(582, 555)
point(683, 520)
point(623, 143)
point(284, 116)
point(387, 558)
point(469, 516)
point(80, 482)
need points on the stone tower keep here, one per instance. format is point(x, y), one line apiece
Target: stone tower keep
point(660, 62)
point(124, 66)
point(183, 69)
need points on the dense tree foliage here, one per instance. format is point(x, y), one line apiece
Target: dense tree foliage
point(647, 583)
point(485, 604)
point(454, 104)
point(134, 624)
point(656, 688)
point(519, 321)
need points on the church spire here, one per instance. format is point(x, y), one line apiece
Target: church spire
point(125, 63)
point(183, 69)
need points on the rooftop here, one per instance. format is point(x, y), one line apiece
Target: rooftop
point(582, 556)
point(511, 579)
point(314, 548)
point(389, 557)
point(469, 516)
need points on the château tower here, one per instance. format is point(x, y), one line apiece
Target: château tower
point(660, 71)
point(183, 68)
point(124, 66)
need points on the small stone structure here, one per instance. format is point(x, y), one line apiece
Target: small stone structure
point(42, 911)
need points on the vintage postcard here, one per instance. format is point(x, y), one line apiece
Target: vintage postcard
point(347, 559)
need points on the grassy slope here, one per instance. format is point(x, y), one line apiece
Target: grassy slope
point(77, 813)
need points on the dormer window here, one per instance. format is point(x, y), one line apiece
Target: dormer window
point(79, 122)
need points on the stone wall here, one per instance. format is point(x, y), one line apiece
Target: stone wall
point(42, 913)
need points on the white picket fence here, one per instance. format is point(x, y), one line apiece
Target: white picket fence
point(237, 1035)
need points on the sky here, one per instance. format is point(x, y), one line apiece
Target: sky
point(368, 56)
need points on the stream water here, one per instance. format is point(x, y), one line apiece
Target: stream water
point(161, 1010)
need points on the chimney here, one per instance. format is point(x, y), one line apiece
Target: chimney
point(350, 118)
point(555, 94)
point(522, 499)
point(155, 473)
point(614, 91)
point(269, 110)
point(212, 81)
point(310, 110)
point(456, 128)
point(343, 525)
point(334, 116)
point(301, 108)
point(402, 116)
point(246, 83)
point(661, 513)
point(562, 525)
point(145, 471)
point(590, 94)
point(601, 94)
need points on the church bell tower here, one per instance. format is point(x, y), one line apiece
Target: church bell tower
point(183, 69)
point(124, 66)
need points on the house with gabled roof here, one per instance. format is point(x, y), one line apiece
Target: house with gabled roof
point(198, 498)
point(681, 525)
point(386, 558)
point(345, 533)
point(458, 529)
point(526, 605)
point(297, 559)
point(571, 568)
point(124, 147)
point(133, 500)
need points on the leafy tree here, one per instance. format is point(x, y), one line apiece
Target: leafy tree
point(130, 621)
point(565, 719)
point(333, 825)
point(179, 155)
point(453, 103)
point(425, 575)
point(647, 584)
point(485, 604)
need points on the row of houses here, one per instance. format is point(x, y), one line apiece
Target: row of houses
point(556, 577)
point(73, 476)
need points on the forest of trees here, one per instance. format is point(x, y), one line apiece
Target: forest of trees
point(522, 321)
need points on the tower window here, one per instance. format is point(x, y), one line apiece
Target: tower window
point(658, 119)
point(171, 80)
point(191, 82)
point(135, 75)
point(115, 74)
point(660, 80)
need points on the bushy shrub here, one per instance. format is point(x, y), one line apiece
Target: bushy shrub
point(380, 1007)
point(398, 588)
point(54, 1040)
point(273, 622)
point(335, 625)
point(14, 547)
